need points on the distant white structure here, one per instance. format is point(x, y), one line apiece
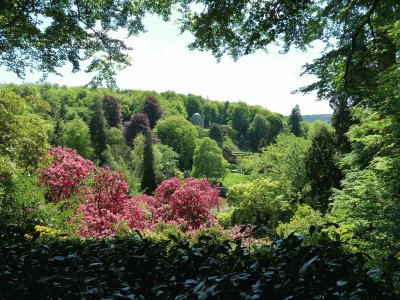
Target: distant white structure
point(198, 120)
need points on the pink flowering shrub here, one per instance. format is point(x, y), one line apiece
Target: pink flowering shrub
point(64, 178)
point(102, 195)
point(186, 204)
point(101, 204)
point(136, 212)
point(104, 203)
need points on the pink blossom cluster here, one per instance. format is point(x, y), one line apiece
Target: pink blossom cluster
point(186, 204)
point(106, 204)
point(65, 175)
point(103, 202)
point(102, 194)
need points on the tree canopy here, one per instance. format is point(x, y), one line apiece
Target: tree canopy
point(208, 160)
point(44, 35)
point(361, 37)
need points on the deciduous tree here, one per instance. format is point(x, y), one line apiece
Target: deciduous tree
point(139, 123)
point(73, 31)
point(77, 136)
point(257, 132)
point(153, 110)
point(208, 160)
point(181, 136)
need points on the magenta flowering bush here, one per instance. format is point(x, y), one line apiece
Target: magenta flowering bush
point(185, 203)
point(66, 174)
point(104, 203)
point(99, 198)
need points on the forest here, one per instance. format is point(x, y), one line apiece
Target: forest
point(116, 194)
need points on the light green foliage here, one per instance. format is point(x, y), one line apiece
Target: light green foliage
point(208, 160)
point(114, 136)
point(173, 104)
point(317, 126)
point(368, 204)
point(21, 201)
point(284, 160)
point(300, 223)
point(77, 136)
point(261, 202)
point(137, 155)
point(180, 135)
point(201, 132)
point(117, 157)
point(165, 163)
point(23, 136)
point(225, 218)
point(248, 164)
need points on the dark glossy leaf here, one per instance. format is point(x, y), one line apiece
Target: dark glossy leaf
point(307, 264)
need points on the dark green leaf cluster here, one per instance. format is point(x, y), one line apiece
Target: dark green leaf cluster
point(140, 268)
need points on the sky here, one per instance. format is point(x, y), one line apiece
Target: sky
point(161, 62)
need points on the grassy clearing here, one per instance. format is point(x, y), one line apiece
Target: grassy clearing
point(235, 178)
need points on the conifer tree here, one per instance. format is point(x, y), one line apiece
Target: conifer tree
point(98, 129)
point(294, 121)
point(148, 184)
point(322, 170)
point(58, 138)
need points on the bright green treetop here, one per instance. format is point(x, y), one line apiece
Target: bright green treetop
point(208, 160)
point(180, 135)
point(77, 136)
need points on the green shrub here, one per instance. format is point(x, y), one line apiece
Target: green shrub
point(262, 202)
point(225, 217)
point(301, 221)
point(141, 268)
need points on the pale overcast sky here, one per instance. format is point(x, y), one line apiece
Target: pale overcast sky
point(161, 61)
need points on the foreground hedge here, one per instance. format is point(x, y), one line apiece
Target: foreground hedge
point(139, 268)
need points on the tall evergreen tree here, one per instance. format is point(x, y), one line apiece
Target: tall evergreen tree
point(153, 110)
point(322, 170)
point(148, 184)
point(294, 121)
point(98, 129)
point(58, 133)
point(112, 111)
point(342, 120)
